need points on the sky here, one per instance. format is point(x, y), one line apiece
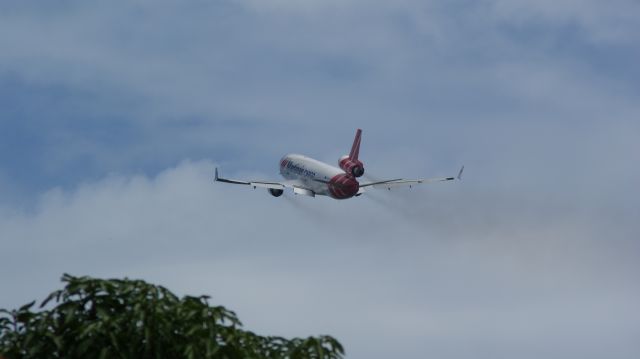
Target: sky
point(113, 116)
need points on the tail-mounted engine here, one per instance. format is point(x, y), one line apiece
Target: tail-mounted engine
point(354, 168)
point(350, 164)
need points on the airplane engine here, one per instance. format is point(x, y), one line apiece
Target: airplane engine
point(352, 167)
point(276, 192)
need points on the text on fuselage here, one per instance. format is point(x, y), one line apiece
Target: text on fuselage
point(292, 167)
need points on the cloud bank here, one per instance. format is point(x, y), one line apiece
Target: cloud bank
point(437, 270)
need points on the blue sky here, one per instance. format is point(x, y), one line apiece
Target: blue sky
point(113, 116)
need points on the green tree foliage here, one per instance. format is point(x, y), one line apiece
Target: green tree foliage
point(96, 318)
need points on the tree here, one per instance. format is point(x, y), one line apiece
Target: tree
point(97, 318)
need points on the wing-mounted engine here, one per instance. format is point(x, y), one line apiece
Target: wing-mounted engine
point(276, 192)
point(350, 163)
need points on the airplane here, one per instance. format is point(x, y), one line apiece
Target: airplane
point(310, 177)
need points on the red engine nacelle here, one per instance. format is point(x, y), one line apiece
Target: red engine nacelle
point(352, 167)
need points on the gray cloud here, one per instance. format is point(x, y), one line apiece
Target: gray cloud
point(601, 23)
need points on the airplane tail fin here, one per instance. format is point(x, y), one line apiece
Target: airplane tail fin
point(355, 148)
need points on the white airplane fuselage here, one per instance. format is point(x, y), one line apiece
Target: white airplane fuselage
point(319, 177)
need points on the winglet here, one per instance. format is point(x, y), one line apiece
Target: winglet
point(355, 148)
point(216, 174)
point(459, 177)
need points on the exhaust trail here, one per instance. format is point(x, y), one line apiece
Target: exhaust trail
point(311, 211)
point(400, 207)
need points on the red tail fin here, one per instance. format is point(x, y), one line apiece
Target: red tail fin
point(355, 148)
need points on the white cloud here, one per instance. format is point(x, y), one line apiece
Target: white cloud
point(388, 273)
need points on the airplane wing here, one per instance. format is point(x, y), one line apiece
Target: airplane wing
point(401, 181)
point(297, 186)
